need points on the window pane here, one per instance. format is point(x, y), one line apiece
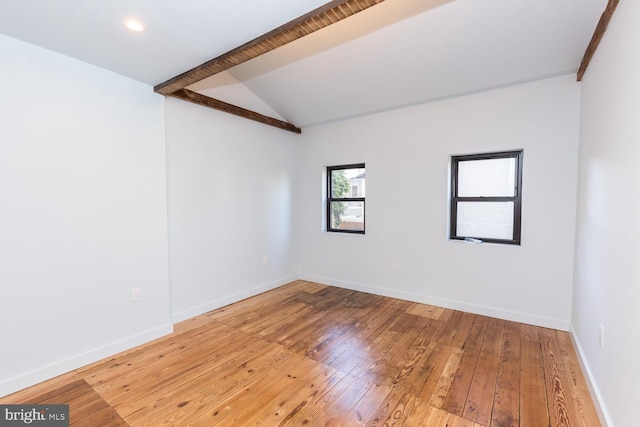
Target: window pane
point(347, 183)
point(347, 215)
point(489, 178)
point(491, 220)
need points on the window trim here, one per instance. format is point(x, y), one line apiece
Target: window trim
point(331, 199)
point(516, 199)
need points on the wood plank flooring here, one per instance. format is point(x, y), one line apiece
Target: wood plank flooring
point(307, 354)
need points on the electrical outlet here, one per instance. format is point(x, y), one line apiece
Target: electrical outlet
point(136, 295)
point(396, 264)
point(265, 260)
point(601, 331)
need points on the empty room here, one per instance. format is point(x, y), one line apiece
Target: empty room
point(361, 212)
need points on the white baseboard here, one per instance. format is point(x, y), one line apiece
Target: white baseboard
point(58, 368)
point(596, 396)
point(228, 299)
point(603, 414)
point(529, 319)
point(55, 369)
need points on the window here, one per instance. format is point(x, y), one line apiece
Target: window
point(345, 198)
point(486, 197)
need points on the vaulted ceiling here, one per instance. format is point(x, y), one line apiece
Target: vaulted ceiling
point(393, 54)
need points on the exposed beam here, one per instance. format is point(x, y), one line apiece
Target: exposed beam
point(597, 36)
point(196, 98)
point(315, 20)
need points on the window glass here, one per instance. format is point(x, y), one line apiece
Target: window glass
point(346, 187)
point(347, 216)
point(347, 183)
point(486, 220)
point(486, 178)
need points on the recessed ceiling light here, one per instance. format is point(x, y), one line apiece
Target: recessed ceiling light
point(134, 25)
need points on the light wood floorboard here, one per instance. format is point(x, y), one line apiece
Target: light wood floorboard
point(307, 354)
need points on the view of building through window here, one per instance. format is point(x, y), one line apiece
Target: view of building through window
point(346, 201)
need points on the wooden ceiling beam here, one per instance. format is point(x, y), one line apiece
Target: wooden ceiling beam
point(197, 98)
point(597, 36)
point(317, 19)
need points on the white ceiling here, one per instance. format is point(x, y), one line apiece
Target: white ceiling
point(397, 53)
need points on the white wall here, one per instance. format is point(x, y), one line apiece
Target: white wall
point(83, 196)
point(230, 187)
point(407, 157)
point(82, 214)
point(607, 272)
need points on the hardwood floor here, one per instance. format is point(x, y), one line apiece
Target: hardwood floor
point(312, 355)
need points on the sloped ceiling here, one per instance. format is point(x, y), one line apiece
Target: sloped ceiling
point(394, 54)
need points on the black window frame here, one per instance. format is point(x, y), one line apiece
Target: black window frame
point(331, 199)
point(516, 199)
